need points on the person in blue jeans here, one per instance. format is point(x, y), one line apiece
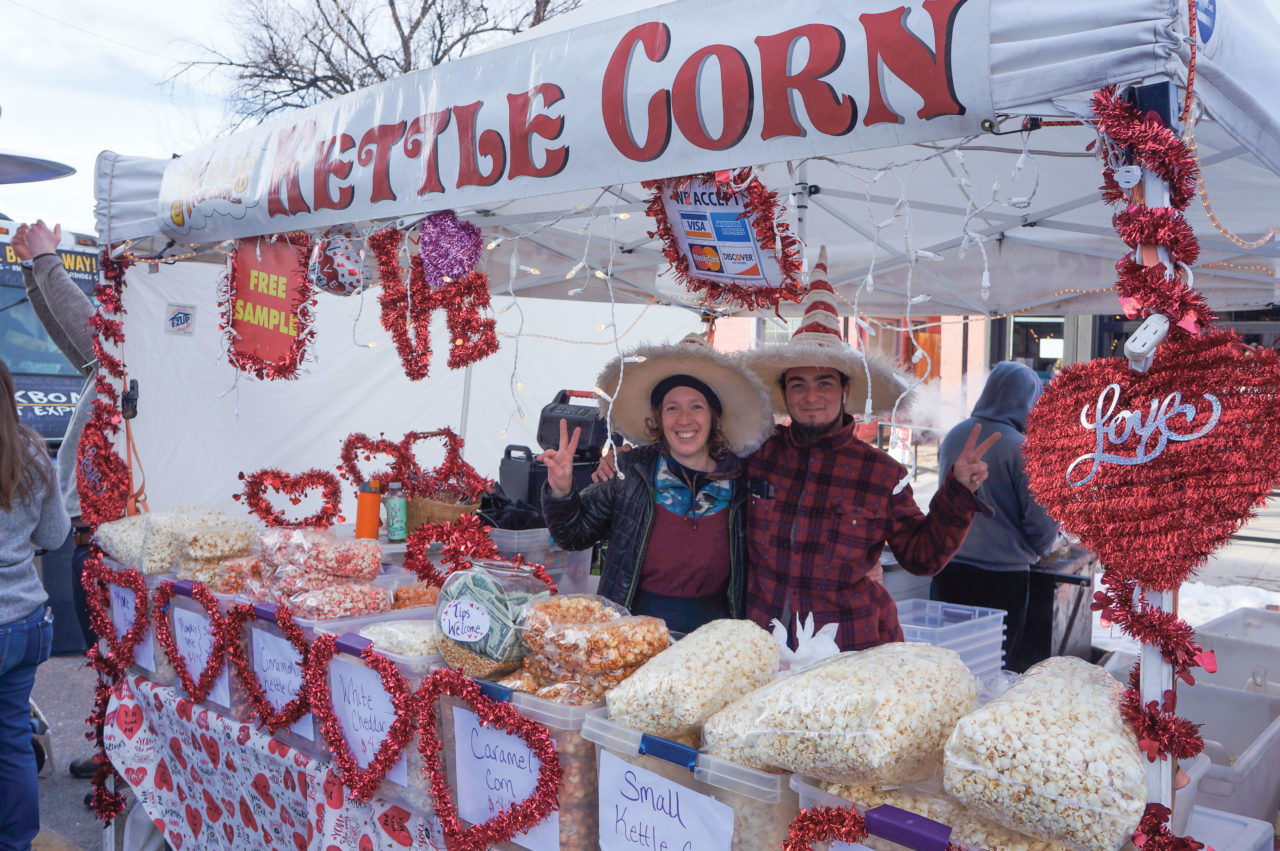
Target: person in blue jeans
point(31, 515)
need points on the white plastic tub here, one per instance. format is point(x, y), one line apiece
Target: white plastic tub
point(1246, 645)
point(763, 802)
point(148, 656)
point(1229, 832)
point(191, 628)
point(278, 666)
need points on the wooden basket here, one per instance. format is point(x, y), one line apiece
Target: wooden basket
point(422, 510)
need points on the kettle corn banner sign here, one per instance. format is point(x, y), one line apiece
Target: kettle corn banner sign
point(680, 88)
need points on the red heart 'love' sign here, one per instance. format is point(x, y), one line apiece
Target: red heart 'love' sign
point(1154, 471)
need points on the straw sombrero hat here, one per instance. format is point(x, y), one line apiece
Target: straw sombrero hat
point(817, 342)
point(746, 419)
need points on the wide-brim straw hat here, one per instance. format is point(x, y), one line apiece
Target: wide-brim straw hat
point(818, 343)
point(746, 419)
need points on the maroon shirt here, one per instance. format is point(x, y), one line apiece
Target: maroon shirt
point(687, 556)
point(820, 534)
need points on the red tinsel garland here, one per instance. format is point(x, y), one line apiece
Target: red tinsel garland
point(103, 479)
point(362, 782)
point(408, 307)
point(197, 690)
point(233, 624)
point(822, 824)
point(303, 295)
point(256, 484)
point(95, 580)
point(452, 480)
point(472, 337)
point(515, 819)
point(1165, 226)
point(404, 306)
point(463, 540)
point(1149, 288)
point(1171, 635)
point(359, 446)
point(1153, 832)
point(1160, 732)
point(762, 210)
point(1154, 146)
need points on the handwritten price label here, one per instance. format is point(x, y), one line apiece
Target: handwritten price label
point(366, 712)
point(495, 771)
point(195, 642)
point(122, 603)
point(644, 811)
point(278, 666)
point(465, 620)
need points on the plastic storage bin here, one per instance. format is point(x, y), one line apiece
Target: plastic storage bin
point(149, 659)
point(1229, 832)
point(362, 704)
point(811, 794)
point(533, 544)
point(414, 667)
point(974, 632)
point(278, 666)
point(762, 802)
point(575, 825)
point(1245, 643)
point(1184, 799)
point(570, 570)
point(1241, 732)
point(194, 638)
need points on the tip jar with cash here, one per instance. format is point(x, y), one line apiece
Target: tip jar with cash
point(478, 611)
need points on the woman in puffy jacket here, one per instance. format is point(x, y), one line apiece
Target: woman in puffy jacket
point(31, 515)
point(673, 513)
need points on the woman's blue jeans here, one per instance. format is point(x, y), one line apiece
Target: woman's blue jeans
point(24, 644)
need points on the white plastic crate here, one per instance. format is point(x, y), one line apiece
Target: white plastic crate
point(945, 624)
point(1246, 644)
point(414, 667)
point(1229, 832)
point(1241, 731)
point(763, 802)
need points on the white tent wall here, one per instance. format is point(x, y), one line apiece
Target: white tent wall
point(199, 425)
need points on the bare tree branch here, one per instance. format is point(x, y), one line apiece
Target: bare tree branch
point(296, 53)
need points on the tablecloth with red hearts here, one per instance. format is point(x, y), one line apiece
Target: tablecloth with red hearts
point(211, 782)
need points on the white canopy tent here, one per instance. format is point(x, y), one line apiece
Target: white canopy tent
point(543, 139)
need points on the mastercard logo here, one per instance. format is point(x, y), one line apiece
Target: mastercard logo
point(705, 258)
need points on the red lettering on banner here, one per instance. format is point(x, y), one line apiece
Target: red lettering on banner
point(328, 166)
point(375, 149)
point(284, 171)
point(928, 72)
point(423, 132)
point(831, 113)
point(471, 149)
point(736, 98)
point(655, 38)
point(524, 124)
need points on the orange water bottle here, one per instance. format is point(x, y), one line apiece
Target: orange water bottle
point(368, 505)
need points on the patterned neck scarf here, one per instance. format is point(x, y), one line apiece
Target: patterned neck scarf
point(689, 493)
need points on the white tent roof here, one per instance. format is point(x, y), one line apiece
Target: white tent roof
point(880, 193)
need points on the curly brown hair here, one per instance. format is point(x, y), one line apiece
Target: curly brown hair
point(717, 446)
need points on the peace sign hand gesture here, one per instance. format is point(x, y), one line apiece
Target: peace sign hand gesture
point(969, 467)
point(560, 461)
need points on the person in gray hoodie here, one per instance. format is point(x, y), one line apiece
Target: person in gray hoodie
point(992, 566)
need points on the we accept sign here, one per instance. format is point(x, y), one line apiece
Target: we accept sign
point(681, 88)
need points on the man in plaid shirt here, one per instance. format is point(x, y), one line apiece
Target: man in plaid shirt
point(822, 503)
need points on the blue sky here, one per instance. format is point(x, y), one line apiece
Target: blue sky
point(82, 76)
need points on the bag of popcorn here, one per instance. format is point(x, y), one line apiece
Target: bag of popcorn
point(586, 634)
point(122, 540)
point(675, 692)
point(1052, 758)
point(163, 529)
point(347, 600)
point(877, 716)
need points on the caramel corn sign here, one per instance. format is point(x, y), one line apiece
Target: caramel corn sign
point(266, 306)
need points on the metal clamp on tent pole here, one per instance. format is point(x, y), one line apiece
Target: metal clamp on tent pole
point(1140, 348)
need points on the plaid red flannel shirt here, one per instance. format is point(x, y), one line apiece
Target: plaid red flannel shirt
point(817, 519)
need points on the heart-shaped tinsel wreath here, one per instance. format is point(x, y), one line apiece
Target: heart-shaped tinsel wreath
point(234, 623)
point(1155, 470)
point(256, 484)
point(95, 580)
point(362, 782)
point(197, 689)
point(360, 446)
point(823, 824)
point(501, 716)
